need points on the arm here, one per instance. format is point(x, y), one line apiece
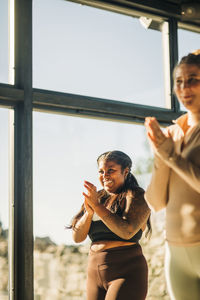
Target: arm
point(164, 148)
point(81, 228)
point(135, 215)
point(186, 169)
point(156, 193)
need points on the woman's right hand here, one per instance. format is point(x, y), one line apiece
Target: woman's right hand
point(82, 227)
point(157, 137)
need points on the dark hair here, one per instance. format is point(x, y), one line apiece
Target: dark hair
point(190, 59)
point(130, 183)
point(124, 161)
point(119, 157)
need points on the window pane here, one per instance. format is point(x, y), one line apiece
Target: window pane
point(4, 204)
point(88, 51)
point(4, 41)
point(188, 41)
point(65, 153)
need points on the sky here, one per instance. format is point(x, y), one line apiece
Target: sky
point(82, 50)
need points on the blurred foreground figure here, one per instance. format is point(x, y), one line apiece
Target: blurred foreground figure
point(175, 182)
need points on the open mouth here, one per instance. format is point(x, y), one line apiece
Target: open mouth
point(187, 99)
point(107, 182)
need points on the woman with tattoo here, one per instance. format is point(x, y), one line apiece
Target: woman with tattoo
point(114, 218)
point(175, 183)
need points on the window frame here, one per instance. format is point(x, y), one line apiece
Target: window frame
point(22, 99)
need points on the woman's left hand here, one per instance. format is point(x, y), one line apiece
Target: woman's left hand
point(91, 196)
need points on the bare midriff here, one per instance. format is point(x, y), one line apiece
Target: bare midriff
point(102, 245)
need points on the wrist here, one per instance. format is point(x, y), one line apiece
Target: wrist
point(166, 149)
point(89, 214)
point(101, 210)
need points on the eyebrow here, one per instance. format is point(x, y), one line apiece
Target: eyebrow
point(109, 166)
point(193, 74)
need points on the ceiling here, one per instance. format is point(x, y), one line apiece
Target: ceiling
point(161, 8)
point(168, 8)
point(185, 6)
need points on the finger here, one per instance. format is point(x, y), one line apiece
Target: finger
point(90, 185)
point(154, 125)
point(168, 134)
point(89, 189)
point(152, 120)
point(85, 195)
point(152, 139)
point(149, 119)
point(147, 122)
point(155, 130)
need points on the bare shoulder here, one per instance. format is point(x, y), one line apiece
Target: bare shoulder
point(135, 202)
point(136, 195)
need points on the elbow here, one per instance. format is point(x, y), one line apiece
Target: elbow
point(125, 235)
point(77, 238)
point(155, 204)
point(129, 233)
point(128, 236)
point(156, 208)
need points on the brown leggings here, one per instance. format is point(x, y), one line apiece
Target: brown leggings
point(117, 274)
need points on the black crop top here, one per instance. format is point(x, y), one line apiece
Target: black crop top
point(100, 232)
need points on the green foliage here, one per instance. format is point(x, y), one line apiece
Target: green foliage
point(144, 165)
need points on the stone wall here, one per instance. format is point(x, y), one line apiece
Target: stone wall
point(3, 264)
point(60, 270)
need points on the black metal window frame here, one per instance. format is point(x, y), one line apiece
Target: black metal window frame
point(22, 99)
point(53, 101)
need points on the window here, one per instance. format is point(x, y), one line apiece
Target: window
point(96, 53)
point(65, 153)
point(4, 41)
point(188, 41)
point(4, 207)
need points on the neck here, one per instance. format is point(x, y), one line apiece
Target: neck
point(193, 118)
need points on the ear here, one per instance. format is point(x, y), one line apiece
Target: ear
point(126, 171)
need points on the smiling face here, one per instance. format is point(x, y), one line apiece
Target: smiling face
point(111, 175)
point(187, 86)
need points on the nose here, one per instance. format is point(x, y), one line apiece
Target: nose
point(105, 174)
point(185, 84)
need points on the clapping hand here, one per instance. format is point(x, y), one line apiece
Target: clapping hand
point(155, 134)
point(88, 208)
point(91, 197)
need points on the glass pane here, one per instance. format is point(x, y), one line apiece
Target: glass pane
point(65, 153)
point(4, 204)
point(188, 41)
point(4, 41)
point(88, 51)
